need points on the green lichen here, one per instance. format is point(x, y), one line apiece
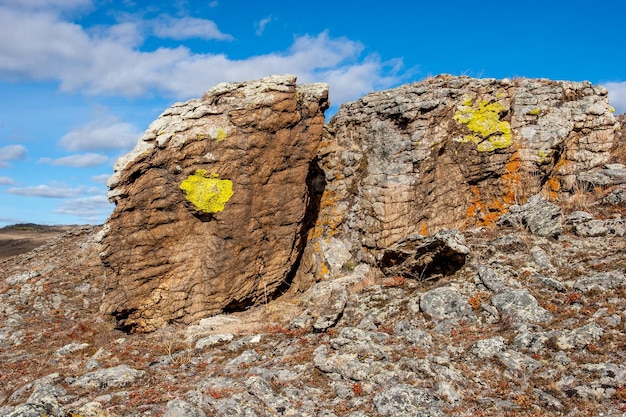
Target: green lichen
point(488, 131)
point(221, 135)
point(207, 193)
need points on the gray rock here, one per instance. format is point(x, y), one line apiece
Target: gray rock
point(245, 341)
point(213, 340)
point(413, 335)
point(603, 281)
point(509, 243)
point(235, 406)
point(541, 217)
point(180, 408)
point(418, 257)
point(518, 363)
point(346, 365)
point(601, 228)
point(541, 258)
point(404, 400)
point(447, 392)
point(578, 217)
point(577, 338)
point(249, 356)
point(70, 348)
point(490, 279)
point(325, 302)
point(520, 305)
point(617, 197)
point(445, 303)
point(258, 387)
point(612, 174)
point(119, 376)
point(488, 348)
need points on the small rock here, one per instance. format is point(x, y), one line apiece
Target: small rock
point(180, 408)
point(445, 303)
point(214, 340)
point(488, 348)
point(407, 400)
point(521, 305)
point(71, 348)
point(119, 376)
point(541, 217)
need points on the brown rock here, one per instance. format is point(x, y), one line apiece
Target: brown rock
point(212, 204)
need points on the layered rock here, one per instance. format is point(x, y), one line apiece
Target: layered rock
point(212, 204)
point(449, 152)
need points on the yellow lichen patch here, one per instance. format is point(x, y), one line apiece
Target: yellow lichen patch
point(207, 193)
point(221, 135)
point(534, 112)
point(484, 122)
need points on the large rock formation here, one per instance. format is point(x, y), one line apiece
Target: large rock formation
point(228, 197)
point(211, 205)
point(448, 152)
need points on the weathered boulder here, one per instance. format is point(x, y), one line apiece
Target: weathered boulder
point(214, 203)
point(451, 152)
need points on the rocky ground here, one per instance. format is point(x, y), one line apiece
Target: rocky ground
point(532, 324)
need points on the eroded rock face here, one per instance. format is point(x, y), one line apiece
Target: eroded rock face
point(450, 152)
point(212, 204)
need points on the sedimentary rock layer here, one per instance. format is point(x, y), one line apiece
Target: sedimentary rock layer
point(211, 204)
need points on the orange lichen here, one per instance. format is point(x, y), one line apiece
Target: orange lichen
point(553, 185)
point(486, 213)
point(423, 229)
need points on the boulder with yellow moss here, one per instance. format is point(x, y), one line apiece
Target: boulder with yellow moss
point(211, 205)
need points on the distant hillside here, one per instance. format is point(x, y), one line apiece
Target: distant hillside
point(23, 237)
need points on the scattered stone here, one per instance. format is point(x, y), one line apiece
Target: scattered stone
point(488, 348)
point(520, 305)
point(324, 303)
point(601, 228)
point(407, 400)
point(213, 340)
point(445, 303)
point(119, 376)
point(71, 348)
point(181, 408)
point(541, 217)
point(602, 281)
point(577, 338)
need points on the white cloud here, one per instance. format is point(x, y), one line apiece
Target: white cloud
point(47, 4)
point(93, 209)
point(101, 179)
point(76, 161)
point(617, 95)
point(7, 181)
point(187, 28)
point(11, 153)
point(260, 25)
point(44, 47)
point(105, 133)
point(47, 191)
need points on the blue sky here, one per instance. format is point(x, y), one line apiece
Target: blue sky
point(81, 79)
